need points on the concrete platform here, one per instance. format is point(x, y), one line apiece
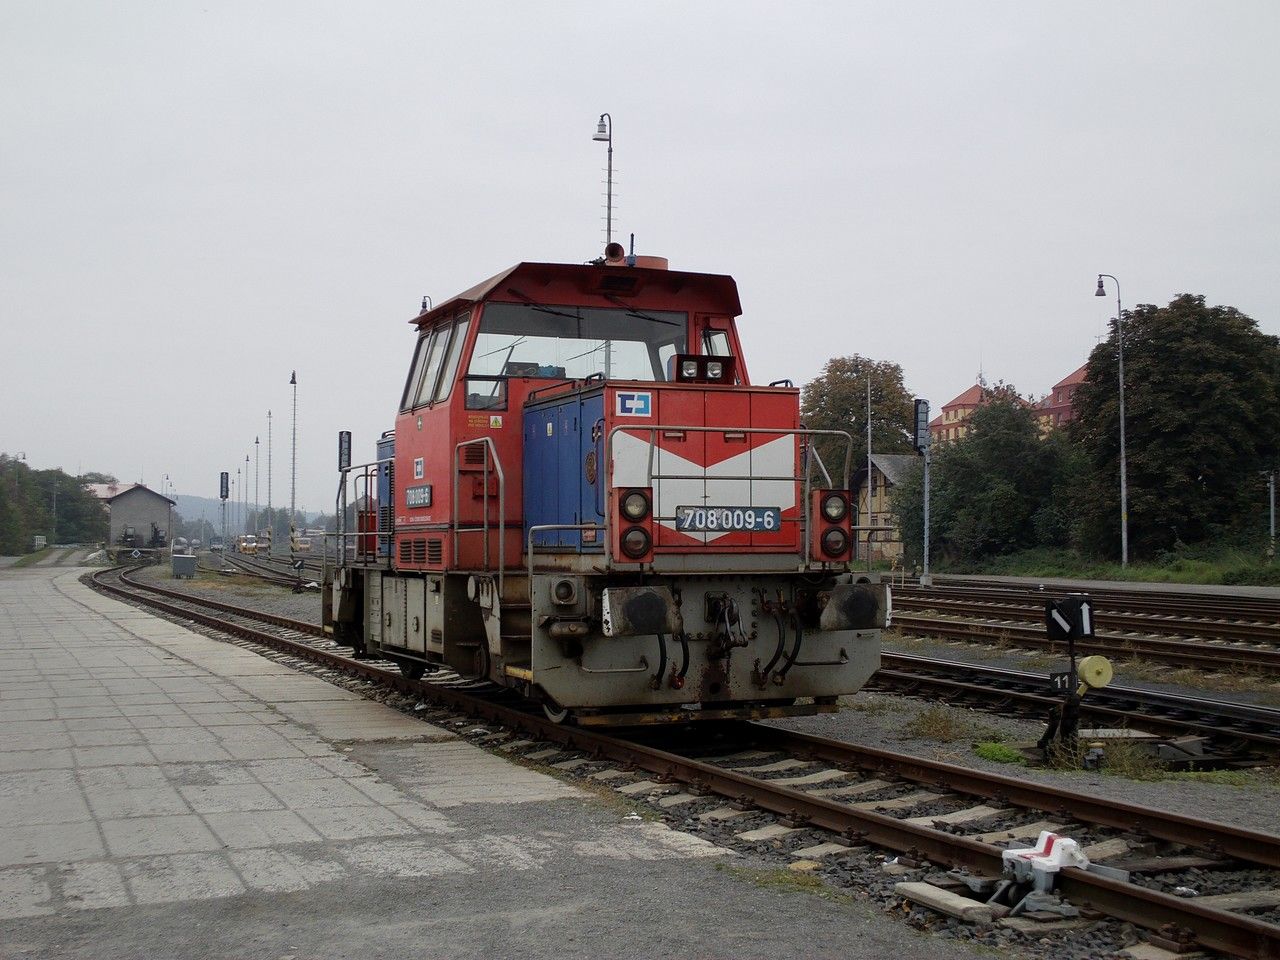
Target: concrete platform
point(163, 794)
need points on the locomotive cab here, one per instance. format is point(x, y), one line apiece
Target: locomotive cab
point(586, 498)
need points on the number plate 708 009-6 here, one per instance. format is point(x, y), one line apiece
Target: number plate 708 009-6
point(704, 519)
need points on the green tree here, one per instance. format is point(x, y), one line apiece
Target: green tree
point(993, 490)
point(1202, 398)
point(837, 400)
point(27, 508)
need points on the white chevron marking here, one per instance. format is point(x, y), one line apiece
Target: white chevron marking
point(774, 459)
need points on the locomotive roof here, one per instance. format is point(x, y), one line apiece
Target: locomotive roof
point(615, 281)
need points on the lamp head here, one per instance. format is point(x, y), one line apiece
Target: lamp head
point(1101, 291)
point(602, 133)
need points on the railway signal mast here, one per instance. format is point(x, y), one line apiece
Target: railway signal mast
point(921, 441)
point(224, 484)
point(293, 482)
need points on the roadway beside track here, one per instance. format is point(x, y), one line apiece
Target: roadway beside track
point(165, 795)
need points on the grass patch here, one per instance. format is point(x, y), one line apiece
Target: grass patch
point(1120, 758)
point(1215, 564)
point(230, 582)
point(787, 881)
point(939, 723)
point(998, 752)
point(32, 558)
point(1231, 678)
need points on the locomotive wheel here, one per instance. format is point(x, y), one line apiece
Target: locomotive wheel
point(412, 669)
point(481, 663)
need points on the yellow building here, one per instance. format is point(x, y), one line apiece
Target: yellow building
point(953, 422)
point(886, 470)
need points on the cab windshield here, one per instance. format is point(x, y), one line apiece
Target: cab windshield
point(571, 343)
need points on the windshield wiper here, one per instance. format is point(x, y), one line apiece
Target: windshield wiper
point(542, 308)
point(633, 312)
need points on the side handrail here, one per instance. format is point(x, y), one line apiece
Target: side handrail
point(490, 449)
point(650, 476)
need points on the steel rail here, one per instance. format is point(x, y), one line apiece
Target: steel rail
point(1186, 653)
point(1218, 929)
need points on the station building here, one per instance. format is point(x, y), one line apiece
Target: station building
point(139, 517)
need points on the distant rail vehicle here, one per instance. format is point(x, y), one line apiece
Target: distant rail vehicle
point(585, 498)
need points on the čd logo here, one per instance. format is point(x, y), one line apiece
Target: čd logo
point(635, 404)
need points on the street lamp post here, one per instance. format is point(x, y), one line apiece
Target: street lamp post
point(256, 461)
point(604, 134)
point(271, 517)
point(293, 482)
point(1124, 469)
point(53, 524)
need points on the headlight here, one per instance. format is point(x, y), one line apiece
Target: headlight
point(715, 370)
point(834, 507)
point(635, 505)
point(689, 369)
point(835, 542)
point(635, 542)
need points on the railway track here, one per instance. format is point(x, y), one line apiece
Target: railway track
point(876, 797)
point(1260, 659)
point(272, 570)
point(1112, 599)
point(1002, 607)
point(1233, 729)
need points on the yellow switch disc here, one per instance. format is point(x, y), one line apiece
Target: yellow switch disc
point(1095, 671)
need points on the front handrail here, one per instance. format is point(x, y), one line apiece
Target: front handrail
point(366, 473)
point(650, 476)
point(542, 527)
point(456, 529)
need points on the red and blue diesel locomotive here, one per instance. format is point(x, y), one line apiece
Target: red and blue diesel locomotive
point(586, 498)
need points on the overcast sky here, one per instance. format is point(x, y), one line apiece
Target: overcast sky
point(197, 198)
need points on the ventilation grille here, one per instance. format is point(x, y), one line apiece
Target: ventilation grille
point(473, 456)
point(435, 551)
point(413, 551)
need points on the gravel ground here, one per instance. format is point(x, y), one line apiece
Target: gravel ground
point(238, 588)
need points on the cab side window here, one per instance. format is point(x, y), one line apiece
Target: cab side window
point(415, 372)
point(431, 367)
point(450, 369)
point(715, 343)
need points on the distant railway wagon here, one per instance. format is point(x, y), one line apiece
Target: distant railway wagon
point(586, 498)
